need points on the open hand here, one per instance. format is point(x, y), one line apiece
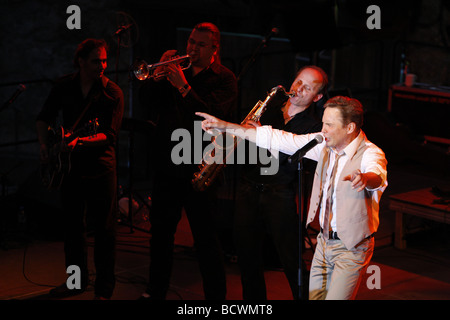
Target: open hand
point(357, 179)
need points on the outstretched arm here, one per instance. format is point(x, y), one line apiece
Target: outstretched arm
point(212, 123)
point(362, 180)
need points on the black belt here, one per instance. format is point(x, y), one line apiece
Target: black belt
point(264, 187)
point(331, 235)
point(334, 236)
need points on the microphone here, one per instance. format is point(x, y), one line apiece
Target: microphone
point(300, 153)
point(21, 88)
point(272, 32)
point(121, 29)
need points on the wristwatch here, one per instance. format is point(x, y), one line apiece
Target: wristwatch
point(184, 89)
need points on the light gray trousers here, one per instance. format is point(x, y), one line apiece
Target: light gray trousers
point(337, 272)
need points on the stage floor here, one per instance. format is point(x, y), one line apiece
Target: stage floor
point(30, 267)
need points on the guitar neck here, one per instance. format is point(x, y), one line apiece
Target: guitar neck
point(90, 128)
point(71, 138)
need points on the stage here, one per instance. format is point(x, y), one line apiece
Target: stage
point(31, 266)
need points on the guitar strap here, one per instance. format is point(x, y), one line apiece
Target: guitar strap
point(104, 82)
point(81, 115)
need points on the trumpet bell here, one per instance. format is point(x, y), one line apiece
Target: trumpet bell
point(141, 71)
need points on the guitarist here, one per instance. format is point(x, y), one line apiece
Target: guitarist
point(90, 185)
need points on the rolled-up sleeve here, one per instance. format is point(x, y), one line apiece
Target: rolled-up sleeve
point(286, 142)
point(374, 160)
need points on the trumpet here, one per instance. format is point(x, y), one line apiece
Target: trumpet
point(144, 71)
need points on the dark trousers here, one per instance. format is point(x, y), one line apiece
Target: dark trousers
point(169, 197)
point(91, 199)
point(261, 210)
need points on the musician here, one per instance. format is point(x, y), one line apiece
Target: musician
point(89, 189)
point(266, 204)
point(349, 181)
point(172, 102)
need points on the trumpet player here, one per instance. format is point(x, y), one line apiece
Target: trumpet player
point(172, 100)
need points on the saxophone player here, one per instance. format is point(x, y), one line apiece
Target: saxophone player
point(266, 204)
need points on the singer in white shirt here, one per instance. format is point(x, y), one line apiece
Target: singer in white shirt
point(342, 255)
point(372, 159)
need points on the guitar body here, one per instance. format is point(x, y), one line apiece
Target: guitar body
point(59, 165)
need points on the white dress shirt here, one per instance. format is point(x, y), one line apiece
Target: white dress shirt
point(289, 143)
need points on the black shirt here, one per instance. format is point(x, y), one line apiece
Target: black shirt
point(302, 123)
point(105, 102)
point(214, 91)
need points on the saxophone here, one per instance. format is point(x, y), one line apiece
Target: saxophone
point(209, 170)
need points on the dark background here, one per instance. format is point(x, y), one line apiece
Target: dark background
point(37, 47)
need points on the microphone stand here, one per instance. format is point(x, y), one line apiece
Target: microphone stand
point(19, 90)
point(256, 53)
point(300, 226)
point(262, 45)
point(132, 129)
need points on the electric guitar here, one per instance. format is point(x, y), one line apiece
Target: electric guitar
point(58, 164)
